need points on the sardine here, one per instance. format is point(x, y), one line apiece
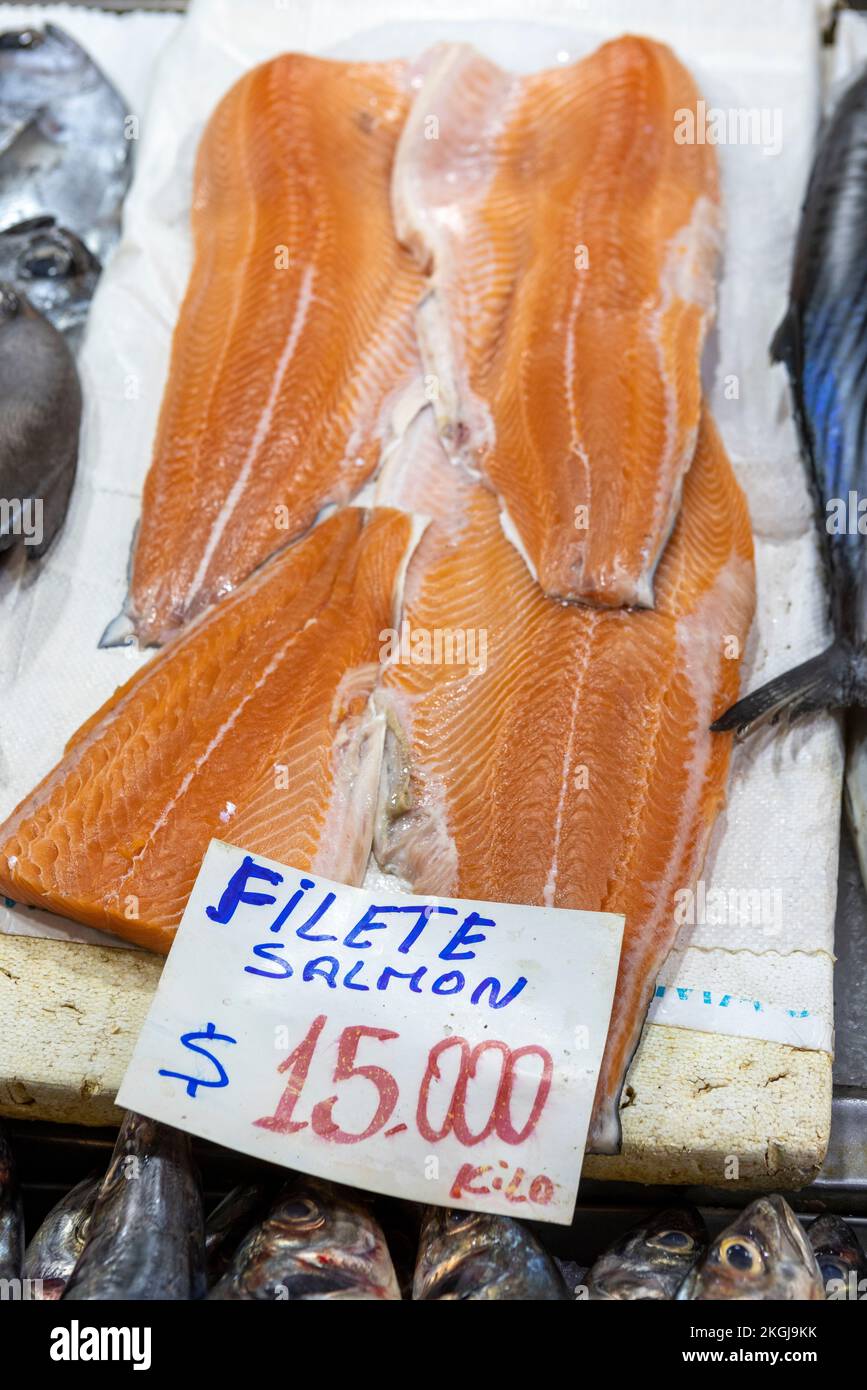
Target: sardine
point(147, 1233)
point(229, 1222)
point(652, 1259)
point(317, 1242)
point(823, 343)
point(64, 149)
point(762, 1255)
point(11, 1214)
point(469, 1255)
point(53, 268)
point(40, 416)
point(840, 1257)
point(51, 1255)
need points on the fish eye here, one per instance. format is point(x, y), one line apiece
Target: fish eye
point(832, 1269)
point(673, 1240)
point(457, 1220)
point(741, 1254)
point(302, 1212)
point(21, 38)
point(45, 259)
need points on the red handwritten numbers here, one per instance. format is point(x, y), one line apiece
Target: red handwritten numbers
point(499, 1123)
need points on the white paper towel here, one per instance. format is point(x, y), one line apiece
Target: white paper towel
point(779, 834)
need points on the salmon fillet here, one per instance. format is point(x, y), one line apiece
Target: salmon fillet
point(295, 334)
point(569, 244)
point(563, 757)
point(253, 726)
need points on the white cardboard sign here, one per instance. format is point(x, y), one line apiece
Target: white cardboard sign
point(436, 1049)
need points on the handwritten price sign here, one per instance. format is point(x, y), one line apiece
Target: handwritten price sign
point(437, 1049)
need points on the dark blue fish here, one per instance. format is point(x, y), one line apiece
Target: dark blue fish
point(40, 415)
point(11, 1215)
point(146, 1234)
point(823, 343)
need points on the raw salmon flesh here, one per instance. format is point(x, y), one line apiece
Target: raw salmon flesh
point(490, 317)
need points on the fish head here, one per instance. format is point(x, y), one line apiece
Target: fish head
point(763, 1255)
point(472, 1255)
point(39, 64)
point(838, 1253)
point(651, 1260)
point(335, 1246)
point(457, 1253)
point(52, 267)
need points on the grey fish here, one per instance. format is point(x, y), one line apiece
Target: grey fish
point(840, 1257)
point(652, 1259)
point(823, 343)
point(40, 417)
point(51, 1255)
point(11, 1214)
point(316, 1243)
point(762, 1255)
point(147, 1233)
point(52, 267)
point(63, 145)
point(469, 1255)
point(229, 1221)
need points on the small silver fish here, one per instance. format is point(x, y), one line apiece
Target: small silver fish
point(317, 1243)
point(11, 1214)
point(762, 1255)
point(840, 1257)
point(652, 1259)
point(469, 1255)
point(53, 268)
point(51, 1255)
point(229, 1222)
point(40, 416)
point(64, 150)
point(147, 1234)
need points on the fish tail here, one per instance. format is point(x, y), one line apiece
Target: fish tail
point(832, 680)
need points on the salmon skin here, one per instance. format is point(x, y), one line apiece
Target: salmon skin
point(822, 341)
point(561, 756)
point(254, 726)
point(570, 245)
point(295, 335)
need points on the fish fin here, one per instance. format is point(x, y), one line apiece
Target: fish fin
point(824, 682)
point(120, 632)
point(784, 344)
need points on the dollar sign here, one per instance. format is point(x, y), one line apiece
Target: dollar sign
point(189, 1040)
